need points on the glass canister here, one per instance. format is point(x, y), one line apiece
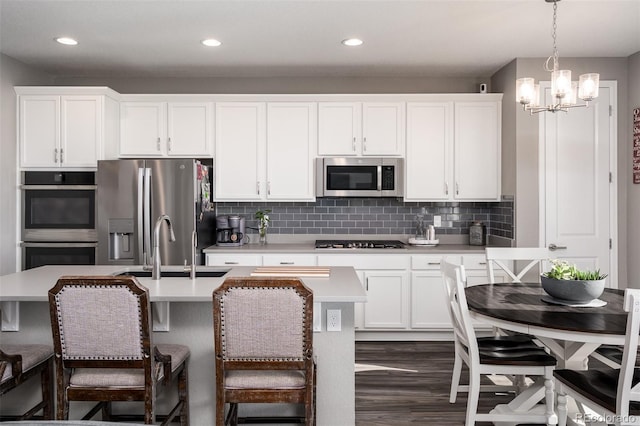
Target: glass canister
point(477, 234)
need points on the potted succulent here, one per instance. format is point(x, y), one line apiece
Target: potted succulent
point(567, 282)
point(263, 224)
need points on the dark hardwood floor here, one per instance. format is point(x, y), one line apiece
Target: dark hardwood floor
point(420, 397)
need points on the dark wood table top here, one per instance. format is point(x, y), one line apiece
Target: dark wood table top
point(522, 304)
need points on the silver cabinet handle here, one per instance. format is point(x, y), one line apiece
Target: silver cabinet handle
point(364, 144)
point(555, 247)
point(433, 263)
point(269, 188)
point(287, 263)
point(55, 155)
point(457, 188)
point(158, 144)
point(482, 263)
point(353, 145)
point(446, 188)
point(258, 187)
point(366, 284)
point(230, 263)
point(61, 155)
point(169, 143)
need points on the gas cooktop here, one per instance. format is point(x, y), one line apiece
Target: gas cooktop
point(359, 244)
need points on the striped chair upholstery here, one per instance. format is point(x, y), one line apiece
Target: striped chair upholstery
point(20, 362)
point(263, 344)
point(104, 350)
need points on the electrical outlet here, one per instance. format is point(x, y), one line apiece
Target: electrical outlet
point(334, 320)
point(437, 221)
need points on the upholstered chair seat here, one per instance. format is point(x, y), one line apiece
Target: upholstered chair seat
point(18, 363)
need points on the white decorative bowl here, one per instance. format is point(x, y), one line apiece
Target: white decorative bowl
point(573, 290)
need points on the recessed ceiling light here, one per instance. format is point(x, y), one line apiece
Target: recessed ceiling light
point(67, 41)
point(211, 42)
point(352, 42)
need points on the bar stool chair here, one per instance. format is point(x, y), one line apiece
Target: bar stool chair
point(263, 346)
point(104, 351)
point(527, 361)
point(18, 363)
point(613, 393)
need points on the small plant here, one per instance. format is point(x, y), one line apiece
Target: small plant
point(263, 224)
point(562, 270)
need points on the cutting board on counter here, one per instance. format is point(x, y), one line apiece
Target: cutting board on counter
point(291, 271)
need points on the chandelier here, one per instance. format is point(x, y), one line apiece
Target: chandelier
point(564, 91)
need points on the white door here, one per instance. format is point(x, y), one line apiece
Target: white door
point(387, 299)
point(577, 149)
point(39, 131)
point(339, 128)
point(239, 147)
point(81, 130)
point(189, 128)
point(143, 129)
point(291, 143)
point(383, 128)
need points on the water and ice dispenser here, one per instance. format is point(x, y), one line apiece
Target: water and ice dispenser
point(121, 239)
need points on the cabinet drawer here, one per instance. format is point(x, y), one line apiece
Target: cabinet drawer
point(368, 261)
point(234, 259)
point(474, 261)
point(432, 261)
point(289, 259)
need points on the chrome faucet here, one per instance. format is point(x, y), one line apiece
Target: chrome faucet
point(156, 261)
point(192, 268)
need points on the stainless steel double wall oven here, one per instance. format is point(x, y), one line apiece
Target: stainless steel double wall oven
point(58, 218)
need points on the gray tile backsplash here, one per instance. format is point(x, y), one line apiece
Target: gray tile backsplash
point(374, 216)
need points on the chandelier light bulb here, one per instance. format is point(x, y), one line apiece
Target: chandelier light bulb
point(525, 88)
point(560, 83)
point(589, 86)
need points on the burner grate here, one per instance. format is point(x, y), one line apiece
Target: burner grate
point(359, 244)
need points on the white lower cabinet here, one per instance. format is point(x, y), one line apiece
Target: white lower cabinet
point(232, 259)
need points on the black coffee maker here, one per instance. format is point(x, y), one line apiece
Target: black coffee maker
point(230, 230)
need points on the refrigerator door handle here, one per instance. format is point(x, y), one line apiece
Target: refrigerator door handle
point(147, 215)
point(140, 233)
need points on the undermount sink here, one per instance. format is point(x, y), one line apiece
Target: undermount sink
point(179, 274)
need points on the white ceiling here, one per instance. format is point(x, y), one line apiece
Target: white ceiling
point(430, 38)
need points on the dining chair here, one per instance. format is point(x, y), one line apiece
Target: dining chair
point(19, 363)
point(501, 256)
point(613, 393)
point(263, 340)
point(104, 350)
point(484, 357)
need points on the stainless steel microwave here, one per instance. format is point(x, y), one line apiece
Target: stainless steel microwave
point(359, 177)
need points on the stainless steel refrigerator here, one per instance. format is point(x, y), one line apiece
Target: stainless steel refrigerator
point(132, 194)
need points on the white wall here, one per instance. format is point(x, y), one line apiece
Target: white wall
point(633, 193)
point(12, 73)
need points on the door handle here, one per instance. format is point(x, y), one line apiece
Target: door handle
point(555, 247)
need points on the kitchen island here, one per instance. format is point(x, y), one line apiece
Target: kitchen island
point(183, 308)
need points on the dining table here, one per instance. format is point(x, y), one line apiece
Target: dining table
point(571, 331)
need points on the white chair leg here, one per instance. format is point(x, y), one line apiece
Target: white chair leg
point(455, 378)
point(548, 399)
point(472, 398)
point(562, 410)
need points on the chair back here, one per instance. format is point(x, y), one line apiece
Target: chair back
point(101, 322)
point(627, 392)
point(497, 256)
point(263, 319)
point(464, 333)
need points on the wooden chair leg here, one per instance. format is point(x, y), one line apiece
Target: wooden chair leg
point(46, 381)
point(220, 403)
point(183, 395)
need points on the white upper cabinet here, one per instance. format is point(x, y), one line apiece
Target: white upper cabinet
point(361, 128)
point(66, 126)
point(158, 129)
point(291, 143)
point(453, 151)
point(264, 151)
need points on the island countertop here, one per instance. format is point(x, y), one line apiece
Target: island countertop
point(33, 285)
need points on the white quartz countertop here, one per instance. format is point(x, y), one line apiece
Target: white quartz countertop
point(342, 285)
point(310, 248)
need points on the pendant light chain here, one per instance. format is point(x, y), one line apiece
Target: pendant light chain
point(555, 45)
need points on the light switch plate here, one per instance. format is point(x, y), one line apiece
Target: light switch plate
point(437, 221)
point(317, 317)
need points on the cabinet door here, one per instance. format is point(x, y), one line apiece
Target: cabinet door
point(81, 130)
point(291, 143)
point(429, 159)
point(429, 301)
point(189, 128)
point(477, 151)
point(339, 128)
point(240, 151)
point(143, 129)
point(39, 131)
point(383, 128)
point(387, 299)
